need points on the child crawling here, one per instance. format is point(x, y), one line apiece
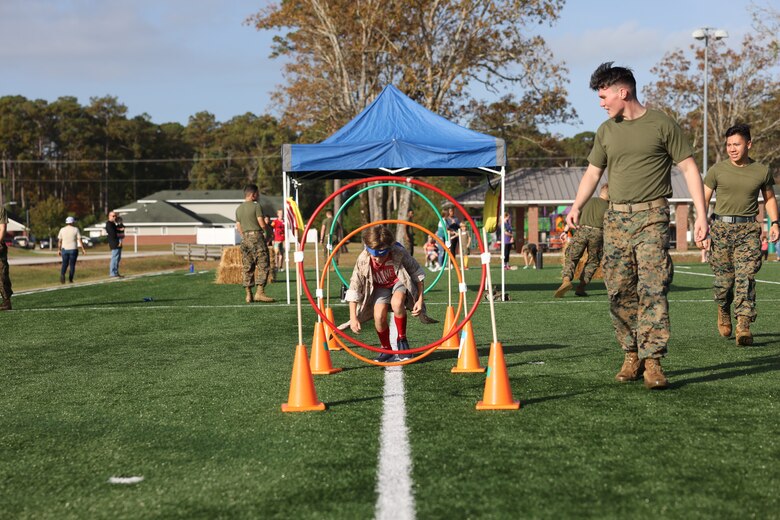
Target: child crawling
point(385, 277)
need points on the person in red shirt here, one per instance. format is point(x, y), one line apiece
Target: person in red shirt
point(385, 277)
point(278, 227)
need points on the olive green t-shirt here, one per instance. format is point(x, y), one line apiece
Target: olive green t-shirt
point(592, 213)
point(247, 214)
point(638, 155)
point(737, 187)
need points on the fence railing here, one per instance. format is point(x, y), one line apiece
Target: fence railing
point(198, 251)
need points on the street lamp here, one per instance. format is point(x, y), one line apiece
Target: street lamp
point(705, 33)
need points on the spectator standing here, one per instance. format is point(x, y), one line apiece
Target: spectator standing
point(278, 227)
point(254, 252)
point(509, 239)
point(638, 146)
point(736, 248)
point(69, 241)
point(114, 232)
point(764, 248)
point(464, 237)
point(453, 228)
point(588, 237)
point(441, 232)
point(5, 276)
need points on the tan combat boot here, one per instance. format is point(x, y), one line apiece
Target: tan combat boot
point(6, 305)
point(260, 295)
point(248, 294)
point(724, 322)
point(580, 290)
point(655, 379)
point(744, 337)
point(631, 369)
point(564, 288)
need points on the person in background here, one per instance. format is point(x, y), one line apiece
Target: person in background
point(764, 248)
point(69, 240)
point(268, 232)
point(589, 237)
point(441, 232)
point(638, 146)
point(453, 229)
point(432, 254)
point(278, 227)
point(735, 243)
point(464, 237)
point(115, 244)
point(5, 276)
point(529, 255)
point(509, 239)
point(409, 233)
point(326, 238)
point(254, 252)
point(386, 277)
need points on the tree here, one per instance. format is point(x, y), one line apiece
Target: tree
point(342, 52)
point(47, 217)
point(742, 85)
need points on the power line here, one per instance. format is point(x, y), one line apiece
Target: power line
point(137, 161)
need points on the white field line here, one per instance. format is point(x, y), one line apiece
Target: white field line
point(713, 276)
point(395, 499)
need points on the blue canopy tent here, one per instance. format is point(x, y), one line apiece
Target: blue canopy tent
point(394, 136)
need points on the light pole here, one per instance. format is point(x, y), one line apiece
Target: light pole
point(705, 33)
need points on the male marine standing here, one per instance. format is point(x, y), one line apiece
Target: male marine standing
point(588, 237)
point(254, 251)
point(735, 256)
point(638, 146)
point(5, 277)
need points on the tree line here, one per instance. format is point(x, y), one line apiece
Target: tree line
point(338, 55)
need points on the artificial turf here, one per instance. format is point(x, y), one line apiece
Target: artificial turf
point(185, 390)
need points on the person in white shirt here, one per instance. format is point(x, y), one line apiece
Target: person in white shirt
point(69, 239)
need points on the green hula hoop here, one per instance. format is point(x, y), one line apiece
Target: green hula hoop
point(346, 203)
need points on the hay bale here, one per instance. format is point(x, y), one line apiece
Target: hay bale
point(231, 270)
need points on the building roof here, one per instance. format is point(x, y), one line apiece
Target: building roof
point(552, 187)
point(181, 196)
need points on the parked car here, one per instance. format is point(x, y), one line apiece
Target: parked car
point(87, 242)
point(23, 242)
point(44, 243)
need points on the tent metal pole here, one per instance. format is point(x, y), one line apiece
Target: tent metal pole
point(501, 245)
point(285, 191)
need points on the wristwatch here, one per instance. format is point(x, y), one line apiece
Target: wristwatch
point(777, 222)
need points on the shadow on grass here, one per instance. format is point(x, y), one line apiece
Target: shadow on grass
point(723, 371)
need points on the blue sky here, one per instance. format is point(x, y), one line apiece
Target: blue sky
point(173, 58)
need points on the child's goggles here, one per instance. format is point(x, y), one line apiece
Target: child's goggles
point(377, 252)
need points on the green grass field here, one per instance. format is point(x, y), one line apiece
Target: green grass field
point(185, 390)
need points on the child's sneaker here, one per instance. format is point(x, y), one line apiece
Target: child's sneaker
point(385, 356)
point(403, 344)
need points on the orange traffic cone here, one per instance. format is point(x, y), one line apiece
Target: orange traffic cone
point(329, 334)
point(303, 396)
point(449, 323)
point(498, 393)
point(468, 359)
point(320, 355)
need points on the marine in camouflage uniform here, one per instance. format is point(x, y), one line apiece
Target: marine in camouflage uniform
point(638, 146)
point(5, 277)
point(735, 252)
point(254, 251)
point(589, 237)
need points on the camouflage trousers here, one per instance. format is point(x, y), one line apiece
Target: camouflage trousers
point(254, 255)
point(735, 258)
point(588, 239)
point(638, 272)
point(5, 276)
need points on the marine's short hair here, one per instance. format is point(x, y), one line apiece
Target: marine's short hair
point(606, 76)
point(251, 189)
point(741, 129)
point(378, 237)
